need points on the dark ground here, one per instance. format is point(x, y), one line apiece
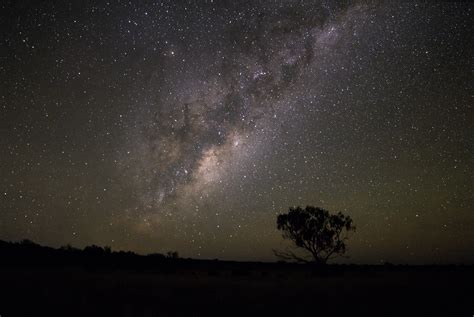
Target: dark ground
point(48, 286)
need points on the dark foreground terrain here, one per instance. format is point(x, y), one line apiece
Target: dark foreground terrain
point(38, 281)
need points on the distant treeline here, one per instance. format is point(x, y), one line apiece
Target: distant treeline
point(28, 253)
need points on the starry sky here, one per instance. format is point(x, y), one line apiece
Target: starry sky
point(190, 125)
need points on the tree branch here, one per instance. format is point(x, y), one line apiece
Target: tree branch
point(288, 255)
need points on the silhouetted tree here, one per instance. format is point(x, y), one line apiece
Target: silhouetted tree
point(94, 250)
point(172, 255)
point(68, 248)
point(321, 234)
point(29, 243)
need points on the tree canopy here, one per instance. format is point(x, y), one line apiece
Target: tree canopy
point(320, 234)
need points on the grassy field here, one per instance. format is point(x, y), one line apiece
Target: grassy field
point(236, 289)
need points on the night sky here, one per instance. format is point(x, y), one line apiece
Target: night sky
point(189, 126)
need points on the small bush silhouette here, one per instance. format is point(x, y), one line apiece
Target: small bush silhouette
point(172, 255)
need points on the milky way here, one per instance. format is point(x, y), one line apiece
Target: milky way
point(190, 137)
point(190, 125)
